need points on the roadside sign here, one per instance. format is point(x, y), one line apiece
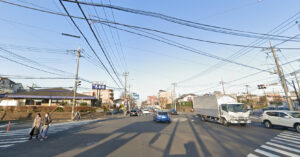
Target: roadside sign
point(98, 85)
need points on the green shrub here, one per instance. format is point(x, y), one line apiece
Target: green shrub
point(83, 104)
point(59, 109)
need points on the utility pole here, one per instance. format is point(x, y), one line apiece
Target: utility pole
point(76, 83)
point(125, 90)
point(296, 92)
point(297, 81)
point(173, 96)
point(282, 79)
point(222, 82)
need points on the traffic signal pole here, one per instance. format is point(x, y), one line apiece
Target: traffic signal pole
point(75, 85)
point(282, 79)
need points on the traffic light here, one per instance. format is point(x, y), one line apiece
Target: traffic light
point(78, 83)
point(262, 86)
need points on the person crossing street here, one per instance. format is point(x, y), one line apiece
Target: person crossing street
point(46, 124)
point(35, 127)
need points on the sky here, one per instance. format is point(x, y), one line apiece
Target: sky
point(152, 65)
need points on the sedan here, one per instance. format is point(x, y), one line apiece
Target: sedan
point(133, 113)
point(173, 112)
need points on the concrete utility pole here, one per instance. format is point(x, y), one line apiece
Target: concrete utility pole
point(125, 90)
point(76, 83)
point(173, 96)
point(297, 81)
point(222, 82)
point(282, 79)
point(296, 92)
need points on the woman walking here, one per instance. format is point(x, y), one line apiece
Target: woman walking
point(45, 127)
point(35, 127)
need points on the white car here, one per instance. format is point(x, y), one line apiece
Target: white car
point(289, 119)
point(145, 111)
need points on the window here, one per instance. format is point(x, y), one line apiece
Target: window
point(282, 114)
point(271, 113)
point(162, 113)
point(295, 114)
point(224, 107)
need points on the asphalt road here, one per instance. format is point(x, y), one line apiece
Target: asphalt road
point(187, 135)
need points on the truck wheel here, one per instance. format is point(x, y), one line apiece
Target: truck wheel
point(297, 127)
point(224, 122)
point(267, 124)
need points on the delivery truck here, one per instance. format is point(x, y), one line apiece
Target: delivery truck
point(223, 109)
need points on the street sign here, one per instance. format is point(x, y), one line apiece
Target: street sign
point(136, 96)
point(98, 85)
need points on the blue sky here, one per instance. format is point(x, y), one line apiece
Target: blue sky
point(151, 65)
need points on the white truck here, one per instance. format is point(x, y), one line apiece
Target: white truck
point(223, 109)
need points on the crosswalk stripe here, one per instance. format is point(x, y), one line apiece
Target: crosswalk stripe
point(9, 142)
point(251, 155)
point(18, 136)
point(292, 133)
point(277, 141)
point(283, 139)
point(280, 151)
point(288, 134)
point(284, 147)
point(7, 145)
point(12, 139)
point(287, 137)
point(265, 153)
point(296, 137)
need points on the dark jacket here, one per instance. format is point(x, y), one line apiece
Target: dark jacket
point(47, 120)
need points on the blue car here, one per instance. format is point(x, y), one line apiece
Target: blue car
point(161, 116)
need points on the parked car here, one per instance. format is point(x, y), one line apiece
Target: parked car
point(145, 111)
point(133, 113)
point(290, 119)
point(173, 112)
point(161, 116)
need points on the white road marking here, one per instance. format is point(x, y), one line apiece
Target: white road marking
point(280, 151)
point(251, 155)
point(281, 142)
point(8, 145)
point(19, 136)
point(292, 133)
point(297, 137)
point(9, 142)
point(283, 139)
point(12, 139)
point(287, 137)
point(284, 147)
point(265, 153)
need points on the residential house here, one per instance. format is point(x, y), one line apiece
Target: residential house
point(45, 97)
point(9, 86)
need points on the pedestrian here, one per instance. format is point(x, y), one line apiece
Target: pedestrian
point(45, 128)
point(35, 127)
point(77, 116)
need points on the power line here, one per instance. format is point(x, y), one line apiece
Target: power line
point(244, 51)
point(184, 22)
point(184, 47)
point(103, 51)
point(88, 43)
point(186, 37)
point(109, 6)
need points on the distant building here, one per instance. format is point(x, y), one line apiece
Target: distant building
point(9, 86)
point(45, 97)
point(106, 95)
point(186, 98)
point(152, 100)
point(164, 98)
